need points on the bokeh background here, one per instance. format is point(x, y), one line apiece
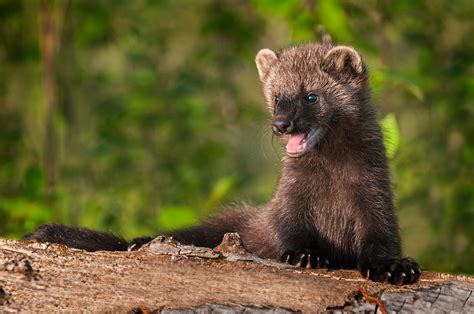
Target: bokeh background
point(141, 116)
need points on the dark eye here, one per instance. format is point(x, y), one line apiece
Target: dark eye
point(312, 98)
point(277, 99)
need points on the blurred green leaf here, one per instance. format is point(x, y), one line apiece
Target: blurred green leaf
point(171, 217)
point(391, 134)
point(221, 189)
point(333, 18)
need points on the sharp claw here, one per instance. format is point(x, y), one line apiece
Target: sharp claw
point(308, 264)
point(404, 275)
point(389, 274)
point(412, 271)
point(367, 274)
point(306, 259)
point(300, 261)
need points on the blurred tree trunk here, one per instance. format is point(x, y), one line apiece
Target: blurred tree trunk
point(51, 20)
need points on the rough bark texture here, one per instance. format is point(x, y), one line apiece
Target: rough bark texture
point(167, 277)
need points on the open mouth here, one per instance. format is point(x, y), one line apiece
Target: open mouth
point(300, 144)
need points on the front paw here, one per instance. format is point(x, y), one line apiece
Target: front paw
point(397, 271)
point(306, 259)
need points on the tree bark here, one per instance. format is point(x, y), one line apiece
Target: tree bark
point(164, 276)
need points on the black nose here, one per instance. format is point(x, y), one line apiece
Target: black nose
point(282, 126)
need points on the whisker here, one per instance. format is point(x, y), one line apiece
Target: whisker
point(264, 131)
point(275, 149)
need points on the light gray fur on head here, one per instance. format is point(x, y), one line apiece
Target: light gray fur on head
point(334, 71)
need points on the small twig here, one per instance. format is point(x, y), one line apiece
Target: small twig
point(374, 300)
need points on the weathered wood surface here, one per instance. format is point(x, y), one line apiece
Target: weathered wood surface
point(166, 277)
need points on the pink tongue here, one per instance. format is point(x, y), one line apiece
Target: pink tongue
point(294, 143)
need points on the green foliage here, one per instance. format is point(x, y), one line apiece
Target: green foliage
point(27, 210)
point(159, 120)
point(220, 190)
point(22, 215)
point(176, 217)
point(391, 134)
point(331, 14)
point(33, 182)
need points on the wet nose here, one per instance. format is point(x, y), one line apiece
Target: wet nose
point(282, 126)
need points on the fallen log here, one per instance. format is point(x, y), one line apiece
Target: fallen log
point(164, 276)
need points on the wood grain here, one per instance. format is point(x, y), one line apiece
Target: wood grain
point(51, 277)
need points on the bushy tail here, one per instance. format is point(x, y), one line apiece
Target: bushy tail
point(208, 234)
point(77, 237)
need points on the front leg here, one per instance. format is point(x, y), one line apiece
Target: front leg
point(379, 258)
point(297, 244)
point(300, 247)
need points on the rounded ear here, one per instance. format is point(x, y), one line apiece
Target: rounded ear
point(343, 63)
point(265, 60)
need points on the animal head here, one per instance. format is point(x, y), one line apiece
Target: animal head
point(309, 87)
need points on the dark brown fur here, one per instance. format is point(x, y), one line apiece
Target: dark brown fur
point(333, 205)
